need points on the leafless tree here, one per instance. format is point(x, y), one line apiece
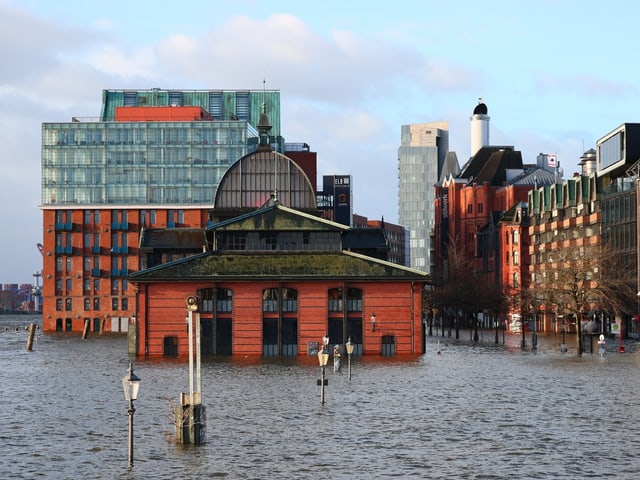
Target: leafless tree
point(468, 290)
point(582, 278)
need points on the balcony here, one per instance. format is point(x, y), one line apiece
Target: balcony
point(64, 226)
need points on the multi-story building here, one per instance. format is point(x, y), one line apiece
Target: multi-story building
point(277, 278)
point(153, 158)
point(482, 212)
point(423, 160)
point(597, 207)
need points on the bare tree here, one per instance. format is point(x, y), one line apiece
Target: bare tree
point(467, 290)
point(585, 277)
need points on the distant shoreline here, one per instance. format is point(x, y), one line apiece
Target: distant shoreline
point(18, 312)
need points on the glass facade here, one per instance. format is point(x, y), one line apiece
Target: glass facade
point(149, 154)
point(420, 159)
point(139, 162)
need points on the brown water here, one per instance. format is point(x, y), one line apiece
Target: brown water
point(476, 411)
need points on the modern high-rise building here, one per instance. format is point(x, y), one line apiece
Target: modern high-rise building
point(423, 160)
point(153, 159)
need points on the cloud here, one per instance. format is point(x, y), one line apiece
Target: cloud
point(583, 84)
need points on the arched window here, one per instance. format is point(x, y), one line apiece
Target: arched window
point(221, 297)
point(516, 257)
point(276, 299)
point(516, 237)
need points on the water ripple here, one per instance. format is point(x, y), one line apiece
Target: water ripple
point(481, 411)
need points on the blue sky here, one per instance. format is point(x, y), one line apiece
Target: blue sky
point(556, 76)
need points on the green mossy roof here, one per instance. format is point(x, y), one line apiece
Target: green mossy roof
point(278, 266)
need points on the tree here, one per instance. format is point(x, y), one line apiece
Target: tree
point(465, 289)
point(583, 278)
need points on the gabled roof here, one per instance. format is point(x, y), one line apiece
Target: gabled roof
point(534, 175)
point(276, 217)
point(516, 214)
point(477, 163)
point(494, 170)
point(262, 266)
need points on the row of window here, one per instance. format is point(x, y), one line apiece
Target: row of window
point(92, 303)
point(119, 219)
point(281, 299)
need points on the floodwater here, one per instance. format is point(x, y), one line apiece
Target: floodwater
point(482, 411)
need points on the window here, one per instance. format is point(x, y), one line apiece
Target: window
point(516, 282)
point(87, 304)
point(470, 208)
point(516, 237)
point(114, 304)
point(480, 207)
point(67, 304)
point(96, 303)
point(59, 304)
point(124, 303)
point(516, 257)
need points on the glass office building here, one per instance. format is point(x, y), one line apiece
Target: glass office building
point(149, 160)
point(421, 157)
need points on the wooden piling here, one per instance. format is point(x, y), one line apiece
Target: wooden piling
point(32, 332)
point(85, 330)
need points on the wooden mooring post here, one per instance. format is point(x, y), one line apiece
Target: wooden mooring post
point(85, 330)
point(32, 332)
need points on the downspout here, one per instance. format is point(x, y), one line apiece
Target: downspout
point(412, 319)
point(146, 319)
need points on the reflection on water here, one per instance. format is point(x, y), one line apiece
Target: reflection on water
point(475, 411)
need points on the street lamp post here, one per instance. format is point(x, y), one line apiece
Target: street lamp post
point(349, 346)
point(323, 358)
point(131, 385)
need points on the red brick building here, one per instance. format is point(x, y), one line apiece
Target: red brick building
point(484, 210)
point(275, 282)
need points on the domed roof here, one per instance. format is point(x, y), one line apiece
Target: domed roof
point(263, 175)
point(481, 108)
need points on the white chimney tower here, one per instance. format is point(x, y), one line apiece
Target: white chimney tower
point(479, 127)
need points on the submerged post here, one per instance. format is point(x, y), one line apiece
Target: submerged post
point(32, 331)
point(190, 414)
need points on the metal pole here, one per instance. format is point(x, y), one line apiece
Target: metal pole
point(322, 386)
point(190, 317)
point(349, 366)
point(198, 377)
point(130, 411)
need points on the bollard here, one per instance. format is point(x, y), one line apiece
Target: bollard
point(85, 330)
point(32, 332)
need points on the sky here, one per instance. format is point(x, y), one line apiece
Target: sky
point(555, 75)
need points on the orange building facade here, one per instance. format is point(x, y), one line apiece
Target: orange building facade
point(275, 282)
point(251, 327)
point(87, 257)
